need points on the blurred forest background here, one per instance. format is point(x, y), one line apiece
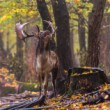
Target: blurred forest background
point(82, 37)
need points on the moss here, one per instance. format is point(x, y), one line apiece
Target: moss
point(29, 87)
point(24, 87)
point(7, 90)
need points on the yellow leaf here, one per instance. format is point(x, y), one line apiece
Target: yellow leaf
point(1, 30)
point(91, 71)
point(65, 71)
point(4, 70)
point(4, 18)
point(80, 105)
point(108, 1)
point(80, 10)
point(31, 13)
point(104, 107)
point(77, 1)
point(85, 72)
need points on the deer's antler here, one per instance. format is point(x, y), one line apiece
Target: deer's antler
point(20, 32)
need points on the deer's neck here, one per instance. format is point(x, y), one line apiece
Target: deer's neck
point(43, 50)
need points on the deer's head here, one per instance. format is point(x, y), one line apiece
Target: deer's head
point(43, 36)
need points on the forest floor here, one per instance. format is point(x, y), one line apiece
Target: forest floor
point(73, 102)
point(95, 100)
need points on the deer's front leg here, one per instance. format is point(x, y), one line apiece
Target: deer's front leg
point(40, 83)
point(45, 85)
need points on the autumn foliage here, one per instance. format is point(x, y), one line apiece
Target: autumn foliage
point(7, 79)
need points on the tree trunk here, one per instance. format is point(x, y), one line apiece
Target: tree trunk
point(75, 62)
point(81, 32)
point(63, 33)
point(19, 50)
point(30, 51)
point(44, 13)
point(2, 50)
point(105, 44)
point(19, 58)
point(94, 29)
point(9, 54)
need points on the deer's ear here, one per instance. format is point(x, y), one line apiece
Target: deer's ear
point(37, 28)
point(36, 31)
point(36, 34)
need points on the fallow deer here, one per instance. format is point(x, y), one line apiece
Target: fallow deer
point(47, 61)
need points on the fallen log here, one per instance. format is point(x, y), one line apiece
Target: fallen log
point(29, 103)
point(13, 106)
point(96, 97)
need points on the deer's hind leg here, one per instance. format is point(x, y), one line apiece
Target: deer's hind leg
point(54, 76)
